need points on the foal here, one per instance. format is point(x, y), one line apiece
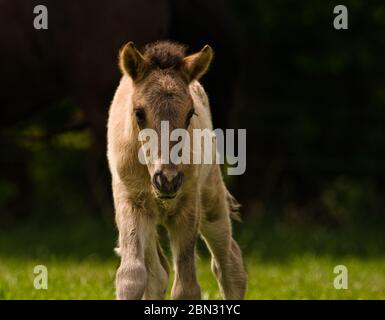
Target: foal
point(161, 84)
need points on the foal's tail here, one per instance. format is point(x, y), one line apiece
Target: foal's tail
point(234, 207)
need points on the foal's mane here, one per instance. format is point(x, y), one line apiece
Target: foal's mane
point(165, 55)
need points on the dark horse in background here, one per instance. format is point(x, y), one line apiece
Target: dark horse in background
point(73, 59)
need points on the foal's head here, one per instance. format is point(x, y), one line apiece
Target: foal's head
point(161, 76)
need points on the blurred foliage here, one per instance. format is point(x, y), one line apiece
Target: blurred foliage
point(312, 99)
point(54, 153)
point(313, 102)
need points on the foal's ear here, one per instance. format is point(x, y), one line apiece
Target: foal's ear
point(198, 63)
point(131, 61)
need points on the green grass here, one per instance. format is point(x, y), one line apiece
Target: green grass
point(283, 262)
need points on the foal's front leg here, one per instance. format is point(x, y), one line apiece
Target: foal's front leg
point(183, 235)
point(131, 276)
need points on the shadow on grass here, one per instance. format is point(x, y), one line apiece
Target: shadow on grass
point(275, 241)
point(76, 240)
point(265, 240)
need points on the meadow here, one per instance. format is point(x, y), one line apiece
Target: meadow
point(283, 262)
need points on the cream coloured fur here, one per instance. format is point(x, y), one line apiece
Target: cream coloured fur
point(201, 207)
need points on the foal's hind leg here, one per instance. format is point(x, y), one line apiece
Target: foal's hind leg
point(157, 270)
point(183, 234)
point(226, 263)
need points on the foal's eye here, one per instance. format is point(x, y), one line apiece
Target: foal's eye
point(140, 115)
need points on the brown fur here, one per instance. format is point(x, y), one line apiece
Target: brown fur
point(162, 83)
point(165, 55)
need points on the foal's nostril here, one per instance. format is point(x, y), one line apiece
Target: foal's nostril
point(177, 181)
point(158, 180)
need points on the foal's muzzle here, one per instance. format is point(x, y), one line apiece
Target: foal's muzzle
point(167, 184)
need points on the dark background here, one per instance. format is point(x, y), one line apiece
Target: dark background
point(312, 99)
